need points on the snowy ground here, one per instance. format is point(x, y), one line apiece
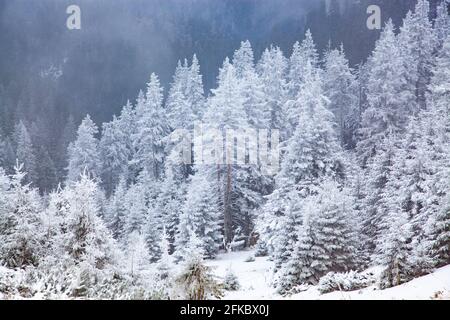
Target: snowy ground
point(254, 279)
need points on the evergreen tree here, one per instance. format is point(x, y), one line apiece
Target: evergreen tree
point(117, 210)
point(151, 129)
point(84, 153)
point(137, 254)
point(201, 214)
point(417, 43)
point(312, 154)
point(251, 86)
point(326, 239)
point(21, 235)
point(340, 88)
point(396, 251)
point(388, 96)
point(304, 61)
point(25, 152)
point(442, 23)
point(272, 69)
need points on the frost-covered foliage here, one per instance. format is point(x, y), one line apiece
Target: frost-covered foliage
point(348, 281)
point(196, 280)
point(230, 281)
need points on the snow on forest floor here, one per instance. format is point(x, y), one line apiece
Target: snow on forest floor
point(254, 279)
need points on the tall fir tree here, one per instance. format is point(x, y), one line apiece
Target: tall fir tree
point(83, 153)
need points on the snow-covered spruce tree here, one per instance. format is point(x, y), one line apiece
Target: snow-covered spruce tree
point(25, 152)
point(116, 210)
point(21, 235)
point(231, 281)
point(136, 208)
point(226, 111)
point(195, 91)
point(196, 281)
point(304, 58)
point(186, 101)
point(137, 253)
point(326, 238)
point(302, 54)
point(252, 90)
point(374, 205)
point(442, 23)
point(185, 104)
point(164, 275)
point(46, 171)
point(440, 235)
point(84, 257)
point(177, 105)
point(201, 214)
point(165, 262)
point(172, 194)
point(4, 188)
point(272, 69)
point(340, 87)
point(152, 230)
point(311, 155)
point(83, 153)
point(396, 250)
point(417, 43)
point(438, 133)
point(115, 148)
point(388, 96)
point(390, 99)
point(151, 129)
point(9, 155)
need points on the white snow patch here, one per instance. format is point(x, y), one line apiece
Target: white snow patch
point(255, 277)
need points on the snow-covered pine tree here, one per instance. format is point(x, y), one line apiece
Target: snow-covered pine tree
point(84, 256)
point(195, 91)
point(151, 129)
point(116, 148)
point(340, 87)
point(152, 231)
point(136, 208)
point(164, 264)
point(172, 194)
point(137, 254)
point(396, 250)
point(374, 205)
point(417, 43)
point(438, 137)
point(21, 232)
point(25, 152)
point(442, 23)
point(225, 111)
point(83, 153)
point(312, 154)
point(196, 282)
point(116, 210)
point(440, 235)
point(252, 90)
point(388, 96)
point(304, 60)
point(201, 214)
point(303, 54)
point(326, 239)
point(272, 69)
point(178, 111)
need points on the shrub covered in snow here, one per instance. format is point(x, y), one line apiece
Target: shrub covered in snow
point(348, 281)
point(250, 258)
point(231, 282)
point(261, 249)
